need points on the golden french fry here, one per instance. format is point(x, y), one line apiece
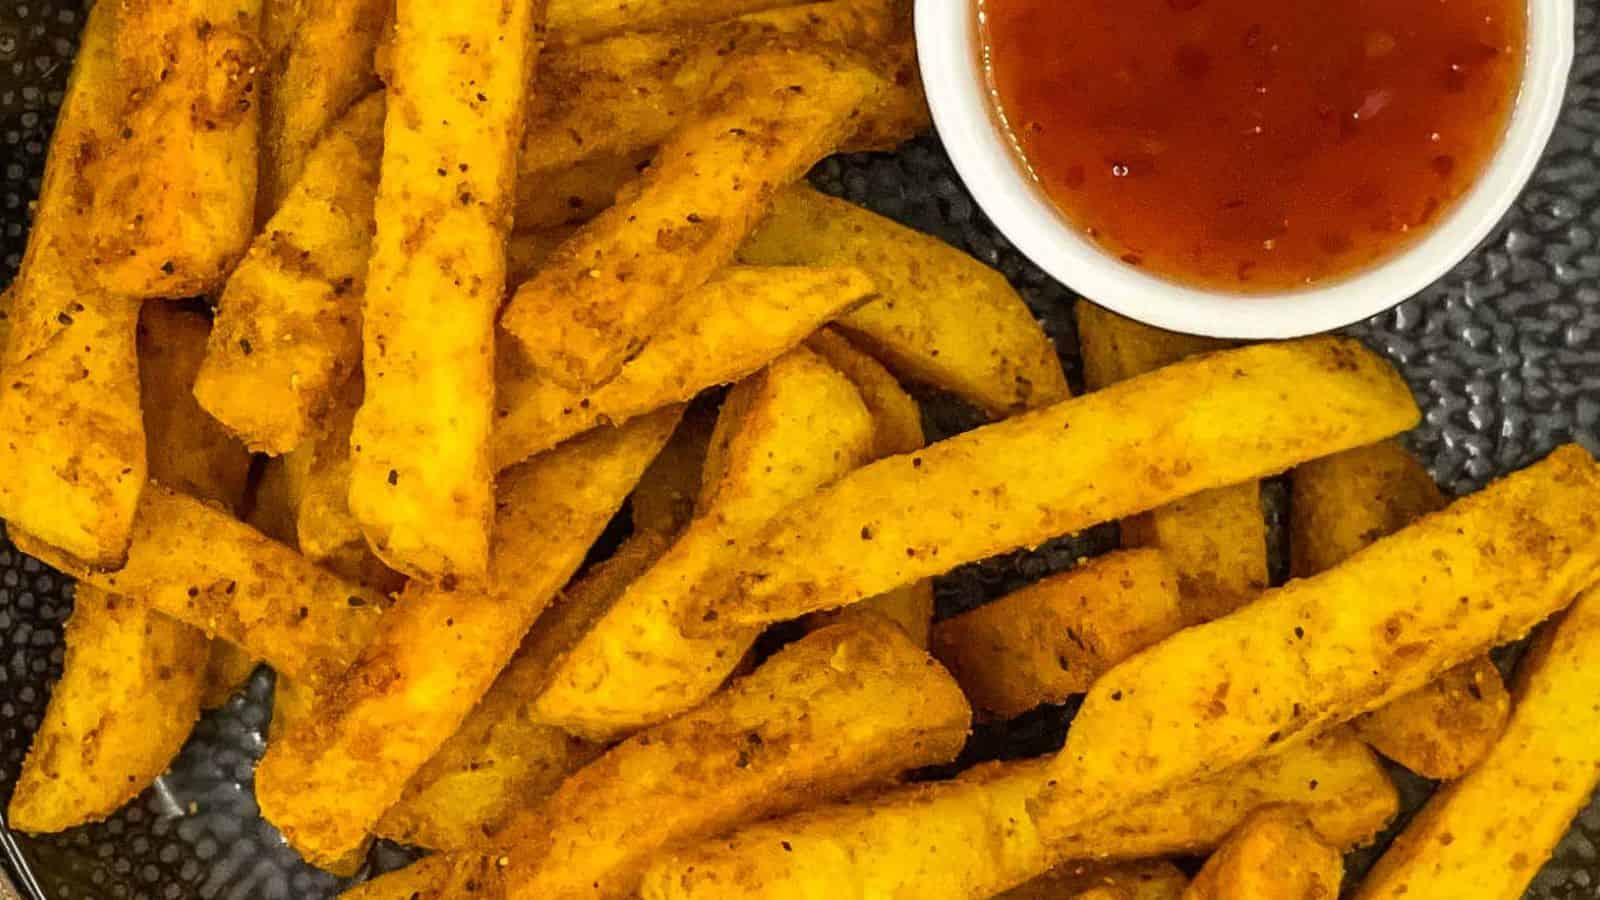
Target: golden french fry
point(422, 482)
point(664, 501)
point(188, 450)
point(1158, 880)
point(944, 318)
point(738, 322)
point(1323, 650)
point(1217, 539)
point(974, 837)
point(1341, 504)
point(1197, 425)
point(200, 565)
point(503, 759)
point(1487, 834)
point(327, 783)
point(770, 116)
point(1273, 854)
point(579, 21)
point(1053, 638)
point(799, 425)
point(226, 669)
point(288, 327)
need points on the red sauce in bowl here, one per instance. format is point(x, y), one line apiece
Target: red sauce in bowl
point(1254, 145)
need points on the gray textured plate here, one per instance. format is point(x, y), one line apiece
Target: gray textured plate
point(1504, 354)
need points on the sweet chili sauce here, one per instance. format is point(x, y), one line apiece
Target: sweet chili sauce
point(1254, 145)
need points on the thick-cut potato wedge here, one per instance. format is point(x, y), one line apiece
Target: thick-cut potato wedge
point(580, 21)
point(1340, 505)
point(944, 319)
point(1053, 638)
point(800, 424)
point(664, 501)
point(738, 322)
point(770, 116)
point(502, 759)
point(1275, 854)
point(322, 63)
point(188, 450)
point(1197, 425)
point(422, 482)
point(327, 783)
point(169, 195)
point(1217, 539)
point(200, 565)
point(1323, 650)
point(1158, 880)
point(288, 328)
point(973, 836)
point(1487, 835)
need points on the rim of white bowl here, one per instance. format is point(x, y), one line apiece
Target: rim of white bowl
point(949, 51)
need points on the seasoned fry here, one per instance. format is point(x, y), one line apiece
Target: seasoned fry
point(288, 328)
point(1273, 854)
point(1326, 649)
point(422, 483)
point(1217, 539)
point(198, 564)
point(1200, 424)
point(738, 322)
point(770, 116)
point(574, 194)
point(326, 784)
point(502, 759)
point(169, 198)
point(973, 836)
point(1487, 835)
point(187, 449)
point(323, 66)
point(1053, 638)
point(664, 501)
point(1087, 881)
point(944, 318)
point(226, 669)
point(579, 21)
point(1340, 505)
point(799, 425)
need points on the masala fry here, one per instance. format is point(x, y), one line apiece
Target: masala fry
point(1273, 854)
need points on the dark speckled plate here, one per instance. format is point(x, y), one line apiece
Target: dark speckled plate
point(1504, 354)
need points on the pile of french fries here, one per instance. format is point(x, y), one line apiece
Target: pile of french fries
point(479, 275)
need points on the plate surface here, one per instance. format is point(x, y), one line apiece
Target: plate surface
point(1504, 355)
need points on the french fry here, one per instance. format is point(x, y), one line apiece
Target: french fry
point(328, 782)
point(169, 197)
point(1157, 880)
point(200, 565)
point(664, 501)
point(288, 327)
point(1341, 504)
point(502, 759)
point(1275, 853)
point(1323, 650)
point(1217, 539)
point(738, 322)
point(188, 450)
point(1053, 638)
point(322, 63)
point(574, 194)
point(1487, 834)
point(422, 482)
point(226, 669)
point(944, 319)
point(799, 424)
point(770, 116)
point(1197, 425)
point(580, 21)
point(973, 836)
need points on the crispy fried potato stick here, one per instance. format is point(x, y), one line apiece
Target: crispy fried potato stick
point(1217, 539)
point(327, 783)
point(580, 21)
point(664, 501)
point(797, 425)
point(502, 759)
point(1157, 880)
point(573, 195)
point(198, 564)
point(1274, 854)
point(769, 118)
point(1053, 638)
point(1200, 424)
point(170, 193)
point(1487, 835)
point(738, 322)
point(288, 328)
point(188, 450)
point(1341, 504)
point(973, 836)
point(1323, 650)
point(944, 319)
point(422, 482)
